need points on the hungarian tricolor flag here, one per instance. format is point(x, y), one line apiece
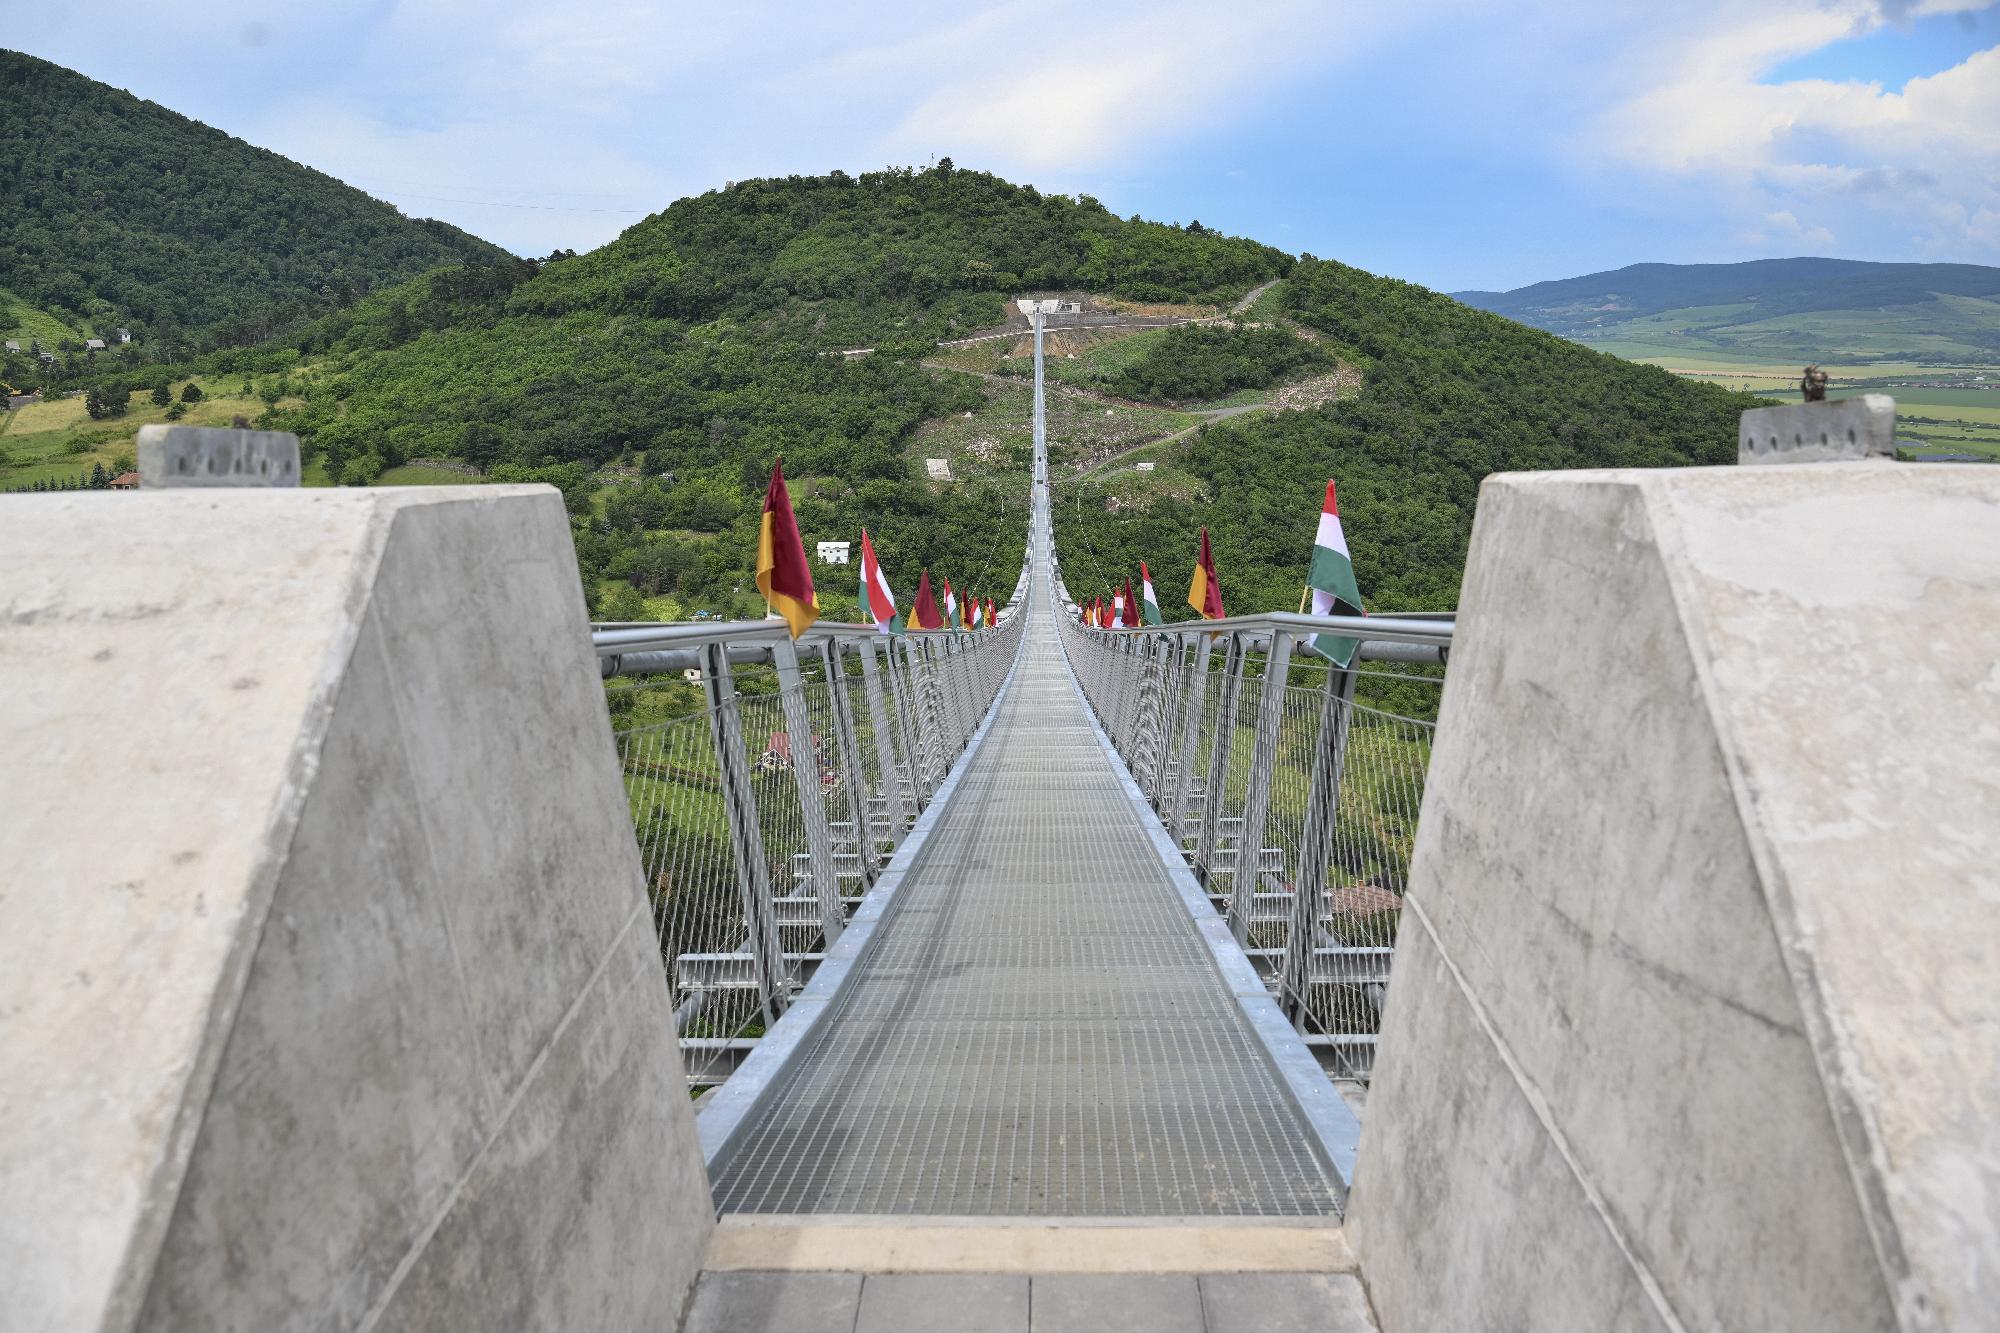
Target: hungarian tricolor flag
point(1152, 607)
point(877, 602)
point(1205, 593)
point(924, 610)
point(1118, 605)
point(1331, 578)
point(950, 604)
point(1131, 606)
point(782, 573)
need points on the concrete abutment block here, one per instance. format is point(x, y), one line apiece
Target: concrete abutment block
point(332, 993)
point(1695, 1021)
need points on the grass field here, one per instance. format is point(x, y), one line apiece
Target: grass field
point(1945, 328)
point(413, 474)
point(1088, 362)
point(1948, 420)
point(56, 440)
point(21, 321)
point(1000, 434)
point(1270, 307)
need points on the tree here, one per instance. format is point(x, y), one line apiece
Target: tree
point(401, 327)
point(360, 471)
point(480, 444)
point(163, 393)
point(103, 403)
point(98, 479)
point(191, 392)
point(623, 602)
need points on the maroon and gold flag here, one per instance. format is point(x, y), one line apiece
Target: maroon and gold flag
point(924, 612)
point(1131, 607)
point(783, 575)
point(1205, 592)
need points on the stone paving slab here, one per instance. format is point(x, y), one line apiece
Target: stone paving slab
point(1284, 1303)
point(962, 1302)
point(1073, 1303)
point(791, 1302)
point(775, 1303)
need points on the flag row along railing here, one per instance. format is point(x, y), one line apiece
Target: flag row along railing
point(773, 767)
point(770, 778)
point(1286, 756)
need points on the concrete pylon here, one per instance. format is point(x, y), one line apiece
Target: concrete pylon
point(1695, 1018)
point(332, 998)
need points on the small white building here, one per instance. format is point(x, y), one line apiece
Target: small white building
point(122, 335)
point(1142, 467)
point(833, 553)
point(93, 344)
point(939, 469)
point(14, 346)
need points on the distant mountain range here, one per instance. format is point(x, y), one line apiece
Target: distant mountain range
point(1787, 309)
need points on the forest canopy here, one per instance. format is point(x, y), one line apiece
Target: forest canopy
point(1449, 394)
point(115, 210)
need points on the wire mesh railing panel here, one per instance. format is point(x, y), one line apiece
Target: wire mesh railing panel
point(1374, 831)
point(673, 782)
point(1294, 789)
point(765, 796)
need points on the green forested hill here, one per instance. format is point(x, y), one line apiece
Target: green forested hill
point(706, 340)
point(654, 380)
point(116, 211)
point(1448, 395)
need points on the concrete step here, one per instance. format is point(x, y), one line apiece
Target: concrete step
point(942, 1244)
point(1017, 1275)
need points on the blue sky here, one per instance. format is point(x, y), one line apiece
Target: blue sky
point(1450, 144)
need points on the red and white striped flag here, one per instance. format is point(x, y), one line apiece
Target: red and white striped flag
point(877, 602)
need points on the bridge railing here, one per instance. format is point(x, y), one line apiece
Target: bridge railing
point(770, 780)
point(1291, 785)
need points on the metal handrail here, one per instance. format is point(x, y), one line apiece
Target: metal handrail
point(755, 850)
point(1427, 628)
point(1294, 802)
point(633, 650)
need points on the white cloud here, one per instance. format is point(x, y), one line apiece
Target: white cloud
point(1121, 81)
point(1818, 148)
point(1783, 227)
point(534, 123)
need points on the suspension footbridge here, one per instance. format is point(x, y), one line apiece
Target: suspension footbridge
point(1044, 998)
point(1028, 978)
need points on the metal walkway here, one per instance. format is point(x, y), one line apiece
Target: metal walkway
point(1039, 1028)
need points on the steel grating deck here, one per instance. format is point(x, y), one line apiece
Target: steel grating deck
point(1038, 1029)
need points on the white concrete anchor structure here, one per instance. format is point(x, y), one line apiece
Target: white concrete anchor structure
point(1695, 1021)
point(184, 457)
point(331, 996)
